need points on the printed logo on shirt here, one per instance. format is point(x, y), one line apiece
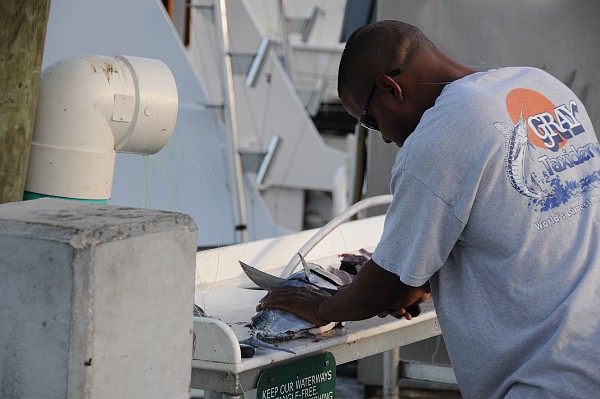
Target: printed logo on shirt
point(539, 146)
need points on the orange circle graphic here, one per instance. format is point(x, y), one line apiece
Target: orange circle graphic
point(532, 103)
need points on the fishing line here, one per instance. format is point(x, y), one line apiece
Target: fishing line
point(209, 174)
point(167, 175)
point(146, 195)
point(171, 184)
point(150, 201)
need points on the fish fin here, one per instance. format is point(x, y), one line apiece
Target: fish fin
point(507, 130)
point(319, 271)
point(535, 183)
point(328, 276)
point(257, 343)
point(305, 265)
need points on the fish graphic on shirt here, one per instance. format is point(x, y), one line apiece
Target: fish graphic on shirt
point(516, 149)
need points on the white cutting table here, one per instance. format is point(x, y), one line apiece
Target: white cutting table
point(229, 297)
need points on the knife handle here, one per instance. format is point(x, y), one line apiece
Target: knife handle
point(247, 350)
point(414, 309)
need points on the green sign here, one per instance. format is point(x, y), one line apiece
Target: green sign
point(308, 378)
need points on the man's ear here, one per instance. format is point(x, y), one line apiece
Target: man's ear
point(390, 86)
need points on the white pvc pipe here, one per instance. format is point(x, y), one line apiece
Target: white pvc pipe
point(91, 107)
point(332, 225)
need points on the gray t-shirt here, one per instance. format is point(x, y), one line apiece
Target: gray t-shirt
point(496, 202)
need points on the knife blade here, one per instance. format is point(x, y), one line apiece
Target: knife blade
point(264, 280)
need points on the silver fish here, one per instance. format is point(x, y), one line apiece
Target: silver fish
point(515, 155)
point(271, 326)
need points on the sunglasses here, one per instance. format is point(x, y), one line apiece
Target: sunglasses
point(364, 118)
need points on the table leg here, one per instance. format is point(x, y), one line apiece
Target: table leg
point(391, 364)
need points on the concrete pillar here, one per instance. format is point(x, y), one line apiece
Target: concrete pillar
point(96, 301)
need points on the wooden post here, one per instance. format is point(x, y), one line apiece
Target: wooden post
point(22, 35)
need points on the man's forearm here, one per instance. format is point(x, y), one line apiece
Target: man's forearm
point(373, 291)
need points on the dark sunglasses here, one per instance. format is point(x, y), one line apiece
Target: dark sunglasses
point(364, 118)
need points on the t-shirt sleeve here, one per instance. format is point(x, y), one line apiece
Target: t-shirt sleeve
point(419, 232)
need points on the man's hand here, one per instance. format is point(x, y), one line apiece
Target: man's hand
point(409, 312)
point(303, 302)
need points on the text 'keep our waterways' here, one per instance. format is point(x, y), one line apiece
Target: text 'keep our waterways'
point(303, 388)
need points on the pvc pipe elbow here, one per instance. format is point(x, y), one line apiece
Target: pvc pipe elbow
point(91, 107)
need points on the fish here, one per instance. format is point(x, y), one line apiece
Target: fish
point(272, 326)
point(515, 155)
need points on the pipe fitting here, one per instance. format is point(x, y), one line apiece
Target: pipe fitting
point(91, 107)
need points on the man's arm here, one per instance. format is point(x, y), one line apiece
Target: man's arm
point(374, 291)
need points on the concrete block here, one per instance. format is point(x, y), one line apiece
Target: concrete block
point(95, 301)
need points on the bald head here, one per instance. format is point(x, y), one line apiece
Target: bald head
point(390, 74)
point(377, 49)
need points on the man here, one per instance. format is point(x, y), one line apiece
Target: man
point(496, 205)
